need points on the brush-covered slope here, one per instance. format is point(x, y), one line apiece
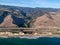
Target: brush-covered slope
point(8, 22)
point(13, 16)
point(48, 20)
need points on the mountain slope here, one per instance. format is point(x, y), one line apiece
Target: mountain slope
point(8, 22)
point(28, 17)
point(45, 21)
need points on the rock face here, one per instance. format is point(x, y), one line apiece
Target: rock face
point(47, 21)
point(8, 22)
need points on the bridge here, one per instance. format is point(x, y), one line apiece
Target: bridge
point(25, 30)
point(31, 29)
point(40, 28)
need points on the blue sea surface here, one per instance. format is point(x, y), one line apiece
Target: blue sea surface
point(39, 41)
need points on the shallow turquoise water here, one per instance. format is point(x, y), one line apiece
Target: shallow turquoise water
point(39, 41)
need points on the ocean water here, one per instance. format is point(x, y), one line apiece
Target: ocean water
point(39, 41)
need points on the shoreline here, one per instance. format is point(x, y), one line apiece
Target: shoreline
point(29, 37)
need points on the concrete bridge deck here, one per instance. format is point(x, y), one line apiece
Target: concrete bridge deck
point(30, 29)
point(17, 29)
